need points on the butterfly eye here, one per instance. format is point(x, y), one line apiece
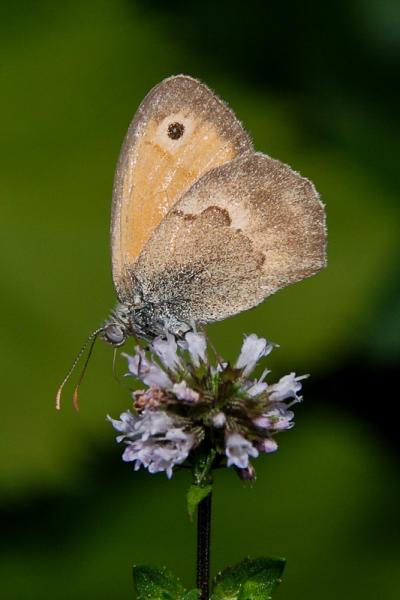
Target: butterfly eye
point(115, 335)
point(175, 130)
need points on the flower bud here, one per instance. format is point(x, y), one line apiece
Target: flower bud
point(247, 474)
point(219, 420)
point(267, 445)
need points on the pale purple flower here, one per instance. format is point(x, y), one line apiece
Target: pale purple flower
point(125, 425)
point(138, 451)
point(276, 418)
point(148, 371)
point(257, 388)
point(238, 450)
point(215, 407)
point(152, 422)
point(148, 423)
point(267, 445)
point(287, 387)
point(185, 393)
point(159, 454)
point(253, 349)
point(218, 420)
point(153, 441)
point(197, 346)
point(166, 349)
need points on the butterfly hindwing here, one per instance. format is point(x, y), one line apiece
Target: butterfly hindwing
point(240, 233)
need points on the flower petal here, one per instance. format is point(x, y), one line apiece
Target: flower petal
point(253, 349)
point(197, 346)
point(257, 388)
point(153, 422)
point(185, 393)
point(219, 420)
point(268, 445)
point(146, 370)
point(238, 450)
point(276, 418)
point(154, 441)
point(166, 349)
point(125, 425)
point(287, 387)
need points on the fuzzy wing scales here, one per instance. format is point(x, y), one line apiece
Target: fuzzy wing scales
point(242, 232)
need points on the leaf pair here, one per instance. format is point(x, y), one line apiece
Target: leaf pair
point(152, 583)
point(251, 579)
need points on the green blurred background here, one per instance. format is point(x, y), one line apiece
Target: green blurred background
point(315, 85)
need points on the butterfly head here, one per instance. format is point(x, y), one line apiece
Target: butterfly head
point(146, 320)
point(137, 320)
point(115, 334)
point(118, 327)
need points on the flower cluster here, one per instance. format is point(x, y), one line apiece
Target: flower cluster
point(193, 407)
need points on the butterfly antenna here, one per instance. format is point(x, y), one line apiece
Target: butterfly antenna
point(92, 338)
point(81, 376)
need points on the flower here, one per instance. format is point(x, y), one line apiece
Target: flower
point(152, 422)
point(197, 346)
point(218, 420)
point(287, 387)
point(253, 349)
point(152, 399)
point(193, 402)
point(268, 445)
point(166, 349)
point(184, 393)
point(125, 425)
point(257, 388)
point(161, 456)
point(277, 418)
point(153, 440)
point(148, 371)
point(238, 450)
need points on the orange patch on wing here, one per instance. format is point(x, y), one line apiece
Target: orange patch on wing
point(160, 176)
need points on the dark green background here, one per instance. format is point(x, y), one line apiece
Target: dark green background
point(315, 85)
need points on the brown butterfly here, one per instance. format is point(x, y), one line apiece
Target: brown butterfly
point(203, 227)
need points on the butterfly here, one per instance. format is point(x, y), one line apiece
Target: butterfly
point(203, 227)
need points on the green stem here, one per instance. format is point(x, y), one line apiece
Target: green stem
point(203, 547)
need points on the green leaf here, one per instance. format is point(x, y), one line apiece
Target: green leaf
point(249, 580)
point(152, 583)
point(192, 595)
point(202, 469)
point(195, 494)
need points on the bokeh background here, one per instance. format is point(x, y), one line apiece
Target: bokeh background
point(315, 83)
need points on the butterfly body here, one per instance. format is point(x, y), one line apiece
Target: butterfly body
point(146, 320)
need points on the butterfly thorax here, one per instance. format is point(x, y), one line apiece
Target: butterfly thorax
point(145, 320)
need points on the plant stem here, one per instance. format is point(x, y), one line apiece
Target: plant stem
point(203, 547)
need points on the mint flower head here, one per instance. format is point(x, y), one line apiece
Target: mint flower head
point(203, 413)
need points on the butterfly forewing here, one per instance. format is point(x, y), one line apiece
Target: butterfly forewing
point(240, 233)
point(181, 131)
